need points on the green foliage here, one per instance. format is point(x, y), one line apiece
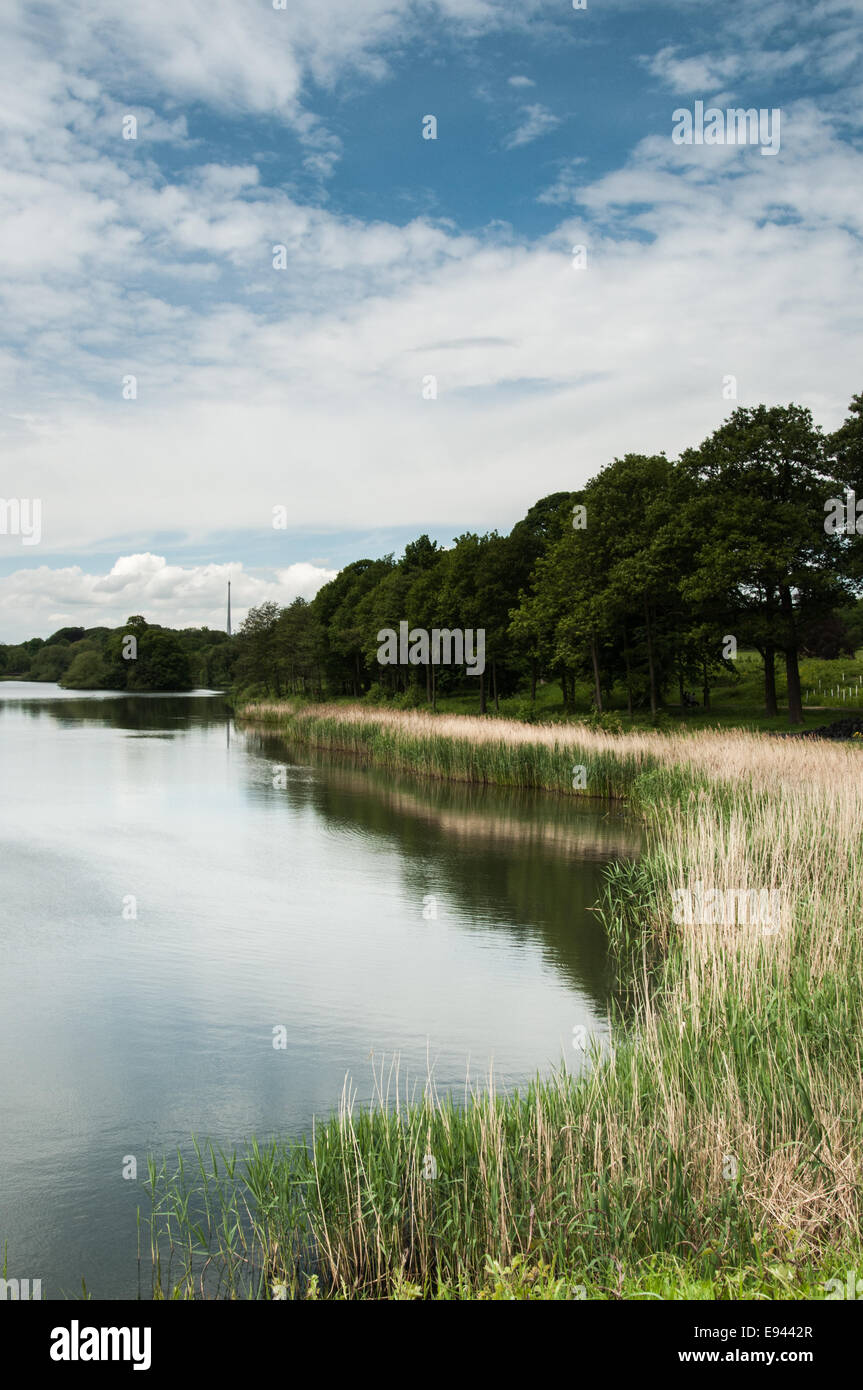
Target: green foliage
point(51, 661)
point(161, 663)
point(87, 671)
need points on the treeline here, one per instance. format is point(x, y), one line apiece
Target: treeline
point(93, 658)
point(645, 581)
point(636, 581)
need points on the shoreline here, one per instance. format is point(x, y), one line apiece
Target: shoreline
point(717, 1147)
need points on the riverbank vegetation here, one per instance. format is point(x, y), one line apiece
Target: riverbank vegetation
point(714, 1150)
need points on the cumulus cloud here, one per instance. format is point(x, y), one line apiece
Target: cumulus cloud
point(36, 602)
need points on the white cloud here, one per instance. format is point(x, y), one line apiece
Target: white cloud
point(701, 262)
point(36, 602)
point(537, 120)
point(692, 74)
point(566, 186)
point(767, 42)
point(235, 58)
point(259, 387)
point(521, 81)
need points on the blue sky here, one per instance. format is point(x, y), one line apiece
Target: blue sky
point(406, 259)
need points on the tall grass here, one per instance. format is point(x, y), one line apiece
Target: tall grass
point(464, 749)
point(719, 1138)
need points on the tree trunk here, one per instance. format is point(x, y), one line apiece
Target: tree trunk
point(597, 690)
point(771, 706)
point(792, 670)
point(795, 694)
point(532, 682)
point(563, 688)
point(680, 687)
point(434, 689)
point(482, 692)
point(650, 658)
point(705, 690)
point(494, 686)
point(628, 674)
point(428, 684)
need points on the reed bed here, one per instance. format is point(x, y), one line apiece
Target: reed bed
point(508, 753)
point(717, 1144)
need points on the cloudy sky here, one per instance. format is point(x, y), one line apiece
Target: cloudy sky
point(164, 384)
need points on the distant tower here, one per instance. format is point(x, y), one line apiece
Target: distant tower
point(229, 607)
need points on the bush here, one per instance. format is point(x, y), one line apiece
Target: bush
point(663, 721)
point(86, 672)
point(375, 695)
point(526, 712)
point(412, 698)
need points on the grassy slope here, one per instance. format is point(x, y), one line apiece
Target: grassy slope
point(737, 700)
point(716, 1152)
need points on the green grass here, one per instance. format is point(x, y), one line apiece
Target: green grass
point(737, 699)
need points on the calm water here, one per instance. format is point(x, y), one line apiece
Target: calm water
point(258, 906)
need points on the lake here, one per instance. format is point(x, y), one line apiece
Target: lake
point(177, 894)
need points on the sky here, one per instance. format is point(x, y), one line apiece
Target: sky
point(240, 285)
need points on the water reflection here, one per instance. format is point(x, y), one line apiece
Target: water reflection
point(263, 900)
point(527, 864)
